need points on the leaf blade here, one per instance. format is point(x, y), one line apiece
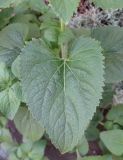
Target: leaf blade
point(48, 83)
point(62, 11)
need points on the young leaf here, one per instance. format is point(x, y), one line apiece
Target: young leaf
point(116, 114)
point(113, 141)
point(111, 39)
point(9, 101)
point(11, 41)
point(109, 4)
point(83, 146)
point(38, 150)
point(64, 9)
point(27, 125)
point(63, 93)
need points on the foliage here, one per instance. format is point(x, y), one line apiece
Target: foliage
point(52, 79)
point(109, 4)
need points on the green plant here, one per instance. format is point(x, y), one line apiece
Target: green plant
point(57, 72)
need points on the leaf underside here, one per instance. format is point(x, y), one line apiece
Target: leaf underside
point(63, 94)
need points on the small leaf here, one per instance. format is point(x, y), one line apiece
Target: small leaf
point(5, 76)
point(111, 39)
point(108, 94)
point(116, 114)
point(12, 40)
point(32, 23)
point(62, 94)
point(38, 150)
point(97, 158)
point(113, 141)
point(27, 125)
point(5, 136)
point(92, 133)
point(16, 67)
point(5, 16)
point(9, 102)
point(109, 4)
point(64, 9)
point(83, 147)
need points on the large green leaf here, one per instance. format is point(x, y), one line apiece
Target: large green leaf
point(64, 9)
point(109, 4)
point(27, 125)
point(111, 39)
point(8, 3)
point(63, 93)
point(9, 101)
point(113, 140)
point(11, 41)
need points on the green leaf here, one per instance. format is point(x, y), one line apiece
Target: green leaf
point(117, 158)
point(38, 150)
point(62, 94)
point(64, 9)
point(111, 39)
point(116, 114)
point(32, 23)
point(9, 102)
point(5, 16)
point(5, 76)
point(113, 141)
point(16, 67)
point(38, 5)
point(109, 4)
point(12, 156)
point(108, 94)
point(11, 41)
point(92, 133)
point(83, 146)
point(5, 136)
point(8, 3)
point(27, 125)
point(97, 158)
